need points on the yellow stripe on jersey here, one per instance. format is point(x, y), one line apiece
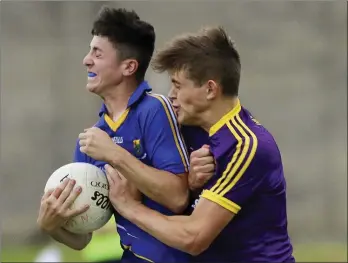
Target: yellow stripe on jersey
point(230, 178)
point(241, 159)
point(223, 201)
point(248, 161)
point(114, 125)
point(237, 158)
point(217, 126)
point(137, 255)
point(217, 186)
point(175, 130)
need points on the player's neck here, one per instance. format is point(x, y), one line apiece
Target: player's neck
point(116, 100)
point(217, 111)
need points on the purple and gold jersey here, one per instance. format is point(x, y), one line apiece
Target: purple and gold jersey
point(249, 182)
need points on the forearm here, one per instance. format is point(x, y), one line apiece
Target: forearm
point(163, 187)
point(74, 241)
point(174, 231)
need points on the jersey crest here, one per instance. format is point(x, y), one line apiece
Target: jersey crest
point(138, 150)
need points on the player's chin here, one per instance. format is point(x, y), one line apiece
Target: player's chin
point(92, 88)
point(181, 118)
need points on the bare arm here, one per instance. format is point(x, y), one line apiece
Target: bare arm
point(55, 211)
point(192, 234)
point(163, 186)
point(74, 241)
point(166, 188)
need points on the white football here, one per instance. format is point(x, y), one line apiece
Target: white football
point(95, 192)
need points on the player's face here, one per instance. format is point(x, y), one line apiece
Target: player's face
point(103, 66)
point(188, 99)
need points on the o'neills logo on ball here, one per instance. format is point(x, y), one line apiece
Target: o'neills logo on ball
point(100, 185)
point(65, 177)
point(101, 200)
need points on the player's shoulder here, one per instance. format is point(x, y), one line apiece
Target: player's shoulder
point(100, 122)
point(256, 131)
point(244, 135)
point(153, 102)
point(266, 152)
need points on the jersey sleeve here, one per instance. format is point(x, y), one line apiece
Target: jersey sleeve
point(79, 157)
point(239, 177)
point(163, 141)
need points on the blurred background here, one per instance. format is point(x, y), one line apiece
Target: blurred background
point(294, 75)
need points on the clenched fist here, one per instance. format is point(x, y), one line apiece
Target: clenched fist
point(202, 167)
point(97, 144)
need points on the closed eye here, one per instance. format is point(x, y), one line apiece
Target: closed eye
point(97, 52)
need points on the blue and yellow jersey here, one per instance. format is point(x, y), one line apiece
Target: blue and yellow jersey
point(249, 181)
point(149, 130)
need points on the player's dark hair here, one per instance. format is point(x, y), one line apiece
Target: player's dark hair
point(208, 54)
point(132, 37)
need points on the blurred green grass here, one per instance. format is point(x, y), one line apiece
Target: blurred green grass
point(321, 252)
point(29, 253)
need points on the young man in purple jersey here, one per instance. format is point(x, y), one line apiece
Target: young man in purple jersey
point(241, 214)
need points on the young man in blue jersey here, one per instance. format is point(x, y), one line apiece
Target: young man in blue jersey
point(140, 131)
point(241, 213)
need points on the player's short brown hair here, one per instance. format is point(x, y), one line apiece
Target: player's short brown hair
point(207, 54)
point(133, 37)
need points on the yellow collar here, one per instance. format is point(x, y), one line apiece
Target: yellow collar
point(217, 126)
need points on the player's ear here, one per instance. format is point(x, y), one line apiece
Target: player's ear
point(130, 66)
point(211, 89)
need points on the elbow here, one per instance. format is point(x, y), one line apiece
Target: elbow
point(180, 203)
point(195, 252)
point(79, 248)
point(193, 242)
point(176, 201)
point(82, 245)
point(195, 247)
